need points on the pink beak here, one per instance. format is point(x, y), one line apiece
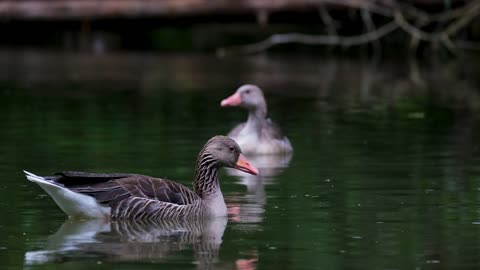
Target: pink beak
point(233, 100)
point(244, 166)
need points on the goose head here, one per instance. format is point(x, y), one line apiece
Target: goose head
point(248, 96)
point(227, 153)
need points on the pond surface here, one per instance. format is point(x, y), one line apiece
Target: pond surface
point(385, 172)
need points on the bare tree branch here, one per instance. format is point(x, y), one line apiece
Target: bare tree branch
point(327, 20)
point(450, 23)
point(412, 30)
point(346, 41)
point(367, 20)
point(464, 19)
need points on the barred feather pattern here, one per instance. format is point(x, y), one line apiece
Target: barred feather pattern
point(133, 196)
point(205, 186)
point(143, 197)
point(206, 181)
point(147, 209)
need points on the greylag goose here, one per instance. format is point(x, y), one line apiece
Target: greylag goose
point(259, 135)
point(133, 196)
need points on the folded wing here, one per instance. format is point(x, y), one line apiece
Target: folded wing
point(111, 189)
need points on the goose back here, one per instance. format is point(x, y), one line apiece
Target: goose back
point(267, 138)
point(131, 195)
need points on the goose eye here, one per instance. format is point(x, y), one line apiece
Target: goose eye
point(247, 91)
point(231, 148)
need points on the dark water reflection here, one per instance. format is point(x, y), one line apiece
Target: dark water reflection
point(385, 173)
point(249, 211)
point(132, 241)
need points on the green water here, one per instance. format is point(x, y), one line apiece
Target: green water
point(385, 172)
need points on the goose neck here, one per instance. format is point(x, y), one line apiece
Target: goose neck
point(255, 119)
point(258, 111)
point(206, 181)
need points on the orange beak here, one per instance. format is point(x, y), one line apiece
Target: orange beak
point(233, 100)
point(244, 166)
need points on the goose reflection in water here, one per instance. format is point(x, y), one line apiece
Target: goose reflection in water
point(251, 210)
point(133, 241)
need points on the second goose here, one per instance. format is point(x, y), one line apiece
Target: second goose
point(259, 135)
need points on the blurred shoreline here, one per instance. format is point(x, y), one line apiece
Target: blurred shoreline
point(415, 26)
point(358, 80)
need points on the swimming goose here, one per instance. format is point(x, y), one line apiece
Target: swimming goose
point(134, 196)
point(259, 135)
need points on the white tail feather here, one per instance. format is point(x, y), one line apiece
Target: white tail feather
point(72, 203)
point(40, 180)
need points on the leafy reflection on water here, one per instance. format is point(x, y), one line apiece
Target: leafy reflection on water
point(385, 172)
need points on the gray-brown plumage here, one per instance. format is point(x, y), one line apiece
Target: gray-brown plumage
point(133, 196)
point(259, 135)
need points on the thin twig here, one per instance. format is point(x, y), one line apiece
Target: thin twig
point(463, 21)
point(443, 36)
point(367, 20)
point(412, 30)
point(346, 41)
point(422, 35)
point(368, 5)
point(448, 43)
point(327, 20)
point(414, 44)
point(411, 12)
point(454, 13)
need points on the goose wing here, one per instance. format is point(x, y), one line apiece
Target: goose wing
point(111, 189)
